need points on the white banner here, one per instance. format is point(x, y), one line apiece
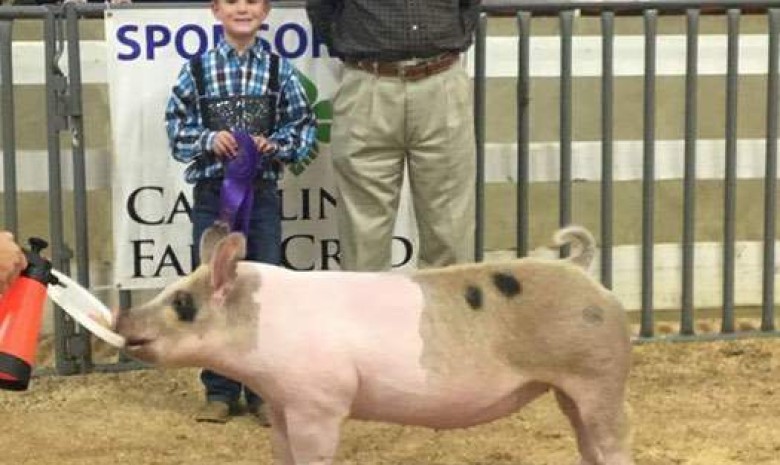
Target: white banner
point(151, 202)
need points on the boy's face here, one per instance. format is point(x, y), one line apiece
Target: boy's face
point(240, 18)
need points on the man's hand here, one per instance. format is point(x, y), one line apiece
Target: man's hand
point(12, 260)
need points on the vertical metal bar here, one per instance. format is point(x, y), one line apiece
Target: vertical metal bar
point(689, 181)
point(770, 181)
point(62, 325)
point(648, 175)
point(76, 123)
point(607, 138)
point(523, 129)
point(9, 127)
point(125, 302)
point(730, 195)
point(566, 25)
point(479, 134)
point(77, 130)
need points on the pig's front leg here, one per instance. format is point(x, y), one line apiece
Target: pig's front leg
point(313, 434)
point(280, 446)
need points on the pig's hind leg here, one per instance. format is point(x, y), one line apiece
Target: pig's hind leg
point(595, 410)
point(587, 449)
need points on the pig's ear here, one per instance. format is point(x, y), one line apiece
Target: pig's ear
point(224, 259)
point(210, 238)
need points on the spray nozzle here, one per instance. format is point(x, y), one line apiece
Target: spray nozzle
point(37, 244)
point(38, 267)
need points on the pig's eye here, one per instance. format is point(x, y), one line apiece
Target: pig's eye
point(184, 306)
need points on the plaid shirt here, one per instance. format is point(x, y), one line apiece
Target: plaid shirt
point(226, 74)
point(393, 30)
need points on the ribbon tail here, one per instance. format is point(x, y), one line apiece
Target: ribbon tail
point(237, 193)
point(244, 214)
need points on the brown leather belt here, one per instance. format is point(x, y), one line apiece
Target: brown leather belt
point(407, 72)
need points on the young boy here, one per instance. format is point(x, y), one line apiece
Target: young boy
point(228, 94)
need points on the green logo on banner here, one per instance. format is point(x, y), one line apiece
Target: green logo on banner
point(323, 110)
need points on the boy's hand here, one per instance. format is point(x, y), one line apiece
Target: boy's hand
point(225, 145)
point(12, 260)
point(265, 146)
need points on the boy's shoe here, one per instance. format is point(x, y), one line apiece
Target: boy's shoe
point(214, 411)
point(259, 413)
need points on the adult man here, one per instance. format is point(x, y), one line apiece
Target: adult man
point(404, 101)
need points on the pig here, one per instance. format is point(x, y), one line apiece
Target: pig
point(442, 348)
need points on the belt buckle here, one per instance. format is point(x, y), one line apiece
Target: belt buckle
point(404, 71)
point(401, 71)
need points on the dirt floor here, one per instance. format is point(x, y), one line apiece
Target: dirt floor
point(708, 403)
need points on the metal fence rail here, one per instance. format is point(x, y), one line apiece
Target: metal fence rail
point(65, 116)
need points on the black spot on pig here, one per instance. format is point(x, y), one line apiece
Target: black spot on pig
point(593, 315)
point(506, 284)
point(184, 306)
point(474, 297)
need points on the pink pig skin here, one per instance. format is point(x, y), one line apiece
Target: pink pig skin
point(364, 330)
point(443, 348)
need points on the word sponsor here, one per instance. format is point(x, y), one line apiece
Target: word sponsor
point(146, 42)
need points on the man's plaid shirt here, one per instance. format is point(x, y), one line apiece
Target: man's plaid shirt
point(394, 30)
point(226, 74)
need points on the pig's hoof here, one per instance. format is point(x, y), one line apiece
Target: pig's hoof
point(214, 412)
point(260, 413)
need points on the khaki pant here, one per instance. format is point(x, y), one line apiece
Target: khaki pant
point(381, 124)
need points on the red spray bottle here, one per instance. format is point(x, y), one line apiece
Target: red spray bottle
point(21, 312)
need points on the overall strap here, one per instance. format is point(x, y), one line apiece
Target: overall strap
point(273, 71)
point(196, 65)
point(273, 86)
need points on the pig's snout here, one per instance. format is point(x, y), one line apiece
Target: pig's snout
point(129, 327)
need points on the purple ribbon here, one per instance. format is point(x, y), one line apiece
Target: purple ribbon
point(237, 194)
